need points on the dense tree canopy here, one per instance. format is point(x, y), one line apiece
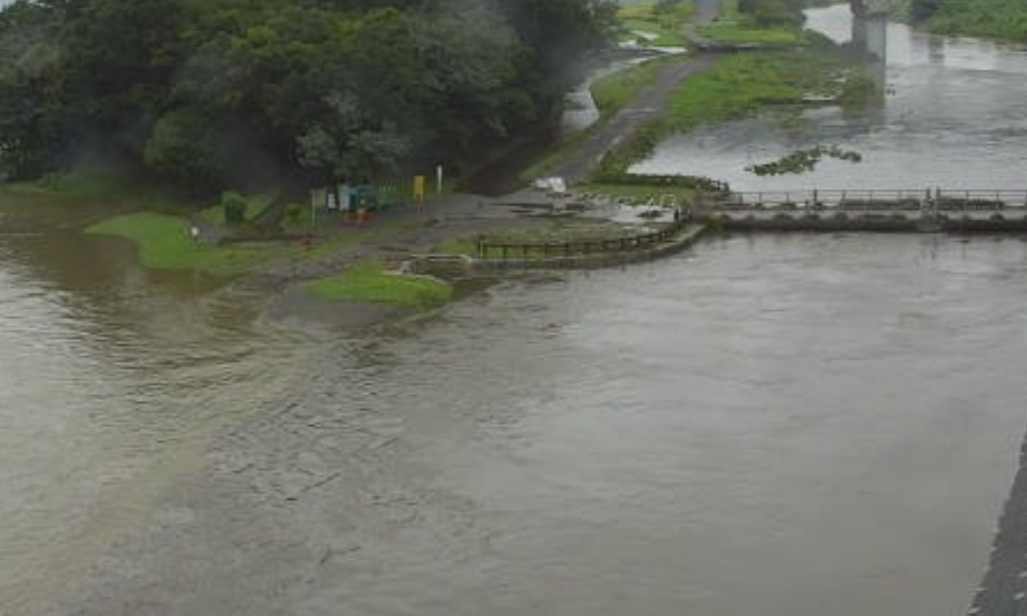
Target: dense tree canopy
point(211, 93)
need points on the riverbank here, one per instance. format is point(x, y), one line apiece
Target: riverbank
point(995, 19)
point(736, 86)
point(317, 255)
point(347, 272)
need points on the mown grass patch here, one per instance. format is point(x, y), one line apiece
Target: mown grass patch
point(164, 243)
point(370, 282)
point(744, 83)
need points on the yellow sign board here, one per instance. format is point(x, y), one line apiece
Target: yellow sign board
point(420, 187)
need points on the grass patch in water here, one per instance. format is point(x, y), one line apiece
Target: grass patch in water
point(370, 282)
point(164, 243)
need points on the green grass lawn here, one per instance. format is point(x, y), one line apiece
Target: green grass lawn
point(370, 282)
point(164, 243)
point(743, 83)
point(738, 32)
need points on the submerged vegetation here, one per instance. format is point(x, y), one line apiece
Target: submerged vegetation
point(805, 160)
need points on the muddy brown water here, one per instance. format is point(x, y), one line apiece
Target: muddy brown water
point(793, 424)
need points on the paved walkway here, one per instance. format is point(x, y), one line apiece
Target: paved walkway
point(649, 104)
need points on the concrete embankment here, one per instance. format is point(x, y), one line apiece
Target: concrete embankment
point(1003, 592)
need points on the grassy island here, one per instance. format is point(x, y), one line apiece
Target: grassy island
point(997, 19)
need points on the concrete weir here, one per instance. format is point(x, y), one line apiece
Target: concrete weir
point(873, 223)
point(963, 211)
point(1003, 592)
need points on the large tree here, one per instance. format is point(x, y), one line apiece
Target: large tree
point(217, 93)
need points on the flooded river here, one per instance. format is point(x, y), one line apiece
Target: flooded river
point(953, 116)
point(795, 424)
point(800, 424)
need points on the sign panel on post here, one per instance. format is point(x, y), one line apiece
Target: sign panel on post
point(420, 187)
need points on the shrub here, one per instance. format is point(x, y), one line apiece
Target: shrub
point(234, 206)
